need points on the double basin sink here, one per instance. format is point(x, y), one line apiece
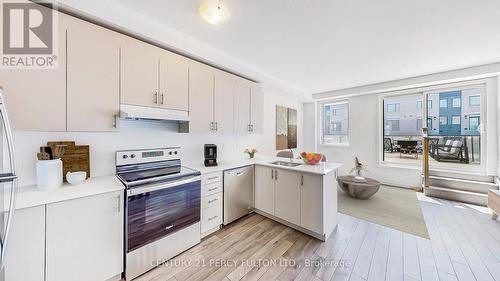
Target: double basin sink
point(285, 163)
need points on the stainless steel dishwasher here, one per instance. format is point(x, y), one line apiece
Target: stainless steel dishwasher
point(238, 193)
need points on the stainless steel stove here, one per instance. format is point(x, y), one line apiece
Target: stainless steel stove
point(162, 207)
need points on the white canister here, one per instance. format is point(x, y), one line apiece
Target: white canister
point(49, 174)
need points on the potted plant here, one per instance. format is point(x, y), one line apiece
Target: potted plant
point(358, 167)
point(251, 152)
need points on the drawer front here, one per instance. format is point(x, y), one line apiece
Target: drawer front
point(211, 178)
point(209, 189)
point(211, 218)
point(211, 200)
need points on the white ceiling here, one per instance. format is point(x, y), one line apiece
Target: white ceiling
point(322, 45)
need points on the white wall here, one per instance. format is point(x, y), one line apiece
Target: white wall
point(149, 134)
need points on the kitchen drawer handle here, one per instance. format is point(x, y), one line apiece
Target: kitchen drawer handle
point(156, 97)
point(169, 227)
point(161, 98)
point(213, 218)
point(301, 179)
point(212, 189)
point(212, 178)
point(214, 200)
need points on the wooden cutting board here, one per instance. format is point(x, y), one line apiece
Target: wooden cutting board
point(75, 158)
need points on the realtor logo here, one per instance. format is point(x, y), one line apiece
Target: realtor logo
point(28, 37)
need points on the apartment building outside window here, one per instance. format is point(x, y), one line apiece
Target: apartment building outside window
point(335, 123)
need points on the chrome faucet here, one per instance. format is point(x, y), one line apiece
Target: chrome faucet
point(291, 157)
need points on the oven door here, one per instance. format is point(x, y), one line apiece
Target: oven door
point(156, 211)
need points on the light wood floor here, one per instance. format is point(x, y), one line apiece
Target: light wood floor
point(464, 245)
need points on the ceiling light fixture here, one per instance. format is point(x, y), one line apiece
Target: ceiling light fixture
point(214, 11)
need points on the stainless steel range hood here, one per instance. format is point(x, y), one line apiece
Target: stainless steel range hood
point(150, 113)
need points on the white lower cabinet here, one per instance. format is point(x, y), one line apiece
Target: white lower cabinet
point(25, 256)
point(85, 238)
point(264, 189)
point(79, 239)
point(211, 202)
point(311, 195)
point(298, 198)
point(287, 202)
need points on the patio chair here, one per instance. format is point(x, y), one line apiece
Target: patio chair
point(388, 145)
point(451, 151)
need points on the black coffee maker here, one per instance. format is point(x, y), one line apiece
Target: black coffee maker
point(210, 155)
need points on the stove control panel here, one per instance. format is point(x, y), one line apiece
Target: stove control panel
point(126, 157)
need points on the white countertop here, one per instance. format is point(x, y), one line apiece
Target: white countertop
point(322, 168)
point(30, 196)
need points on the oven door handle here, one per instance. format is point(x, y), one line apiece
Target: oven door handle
point(150, 188)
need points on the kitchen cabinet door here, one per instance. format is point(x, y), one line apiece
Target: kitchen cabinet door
point(287, 200)
point(25, 256)
point(36, 98)
point(264, 189)
point(241, 106)
point(85, 238)
point(201, 98)
point(174, 79)
point(257, 109)
point(224, 102)
point(311, 198)
point(140, 64)
point(93, 81)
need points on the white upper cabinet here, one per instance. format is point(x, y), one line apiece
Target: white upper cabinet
point(256, 109)
point(242, 91)
point(93, 77)
point(140, 64)
point(36, 98)
point(224, 102)
point(174, 81)
point(201, 98)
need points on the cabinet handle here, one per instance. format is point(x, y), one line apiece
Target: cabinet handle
point(161, 98)
point(119, 208)
point(213, 178)
point(272, 174)
point(276, 174)
point(211, 126)
point(212, 189)
point(212, 201)
point(216, 126)
point(169, 227)
point(213, 218)
point(248, 128)
point(115, 121)
point(301, 179)
point(251, 128)
point(156, 97)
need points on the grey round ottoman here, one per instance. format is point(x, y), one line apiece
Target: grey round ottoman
point(357, 189)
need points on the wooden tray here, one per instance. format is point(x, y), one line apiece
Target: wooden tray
point(75, 158)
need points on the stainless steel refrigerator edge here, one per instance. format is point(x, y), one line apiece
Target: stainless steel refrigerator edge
point(238, 193)
point(8, 182)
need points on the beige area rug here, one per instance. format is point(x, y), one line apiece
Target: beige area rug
point(393, 207)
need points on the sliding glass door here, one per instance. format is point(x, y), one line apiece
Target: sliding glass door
point(455, 120)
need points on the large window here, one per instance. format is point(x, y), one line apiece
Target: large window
point(335, 123)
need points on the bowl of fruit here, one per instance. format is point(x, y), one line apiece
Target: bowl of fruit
point(311, 158)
